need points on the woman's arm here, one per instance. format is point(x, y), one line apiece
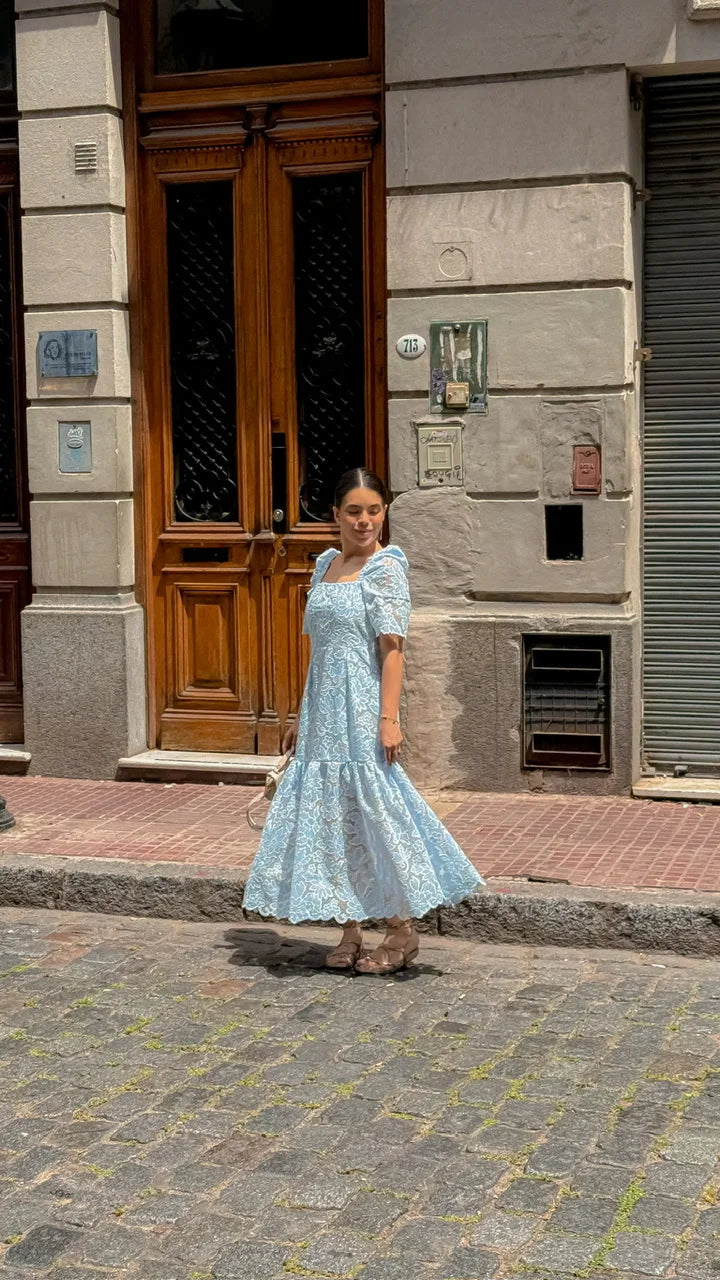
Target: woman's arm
point(391, 667)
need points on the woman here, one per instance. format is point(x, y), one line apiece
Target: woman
point(348, 837)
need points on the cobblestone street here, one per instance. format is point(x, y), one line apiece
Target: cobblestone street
point(185, 1101)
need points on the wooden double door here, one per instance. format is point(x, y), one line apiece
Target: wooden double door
point(261, 257)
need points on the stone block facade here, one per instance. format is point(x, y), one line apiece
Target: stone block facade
point(83, 633)
point(511, 131)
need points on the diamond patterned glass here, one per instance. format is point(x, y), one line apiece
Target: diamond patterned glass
point(330, 342)
point(202, 350)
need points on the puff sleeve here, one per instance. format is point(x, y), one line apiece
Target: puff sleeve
point(387, 593)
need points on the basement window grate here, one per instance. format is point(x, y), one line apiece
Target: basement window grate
point(566, 702)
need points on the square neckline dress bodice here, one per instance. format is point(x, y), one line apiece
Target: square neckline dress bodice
point(347, 836)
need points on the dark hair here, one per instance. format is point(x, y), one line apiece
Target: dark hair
point(359, 478)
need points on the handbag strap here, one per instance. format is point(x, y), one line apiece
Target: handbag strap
point(250, 812)
point(273, 777)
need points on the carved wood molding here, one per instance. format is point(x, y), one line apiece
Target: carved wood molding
point(324, 129)
point(195, 136)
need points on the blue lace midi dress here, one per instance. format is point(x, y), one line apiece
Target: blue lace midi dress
point(347, 836)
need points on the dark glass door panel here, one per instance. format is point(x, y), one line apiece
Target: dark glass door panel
point(203, 375)
point(218, 35)
point(330, 337)
point(8, 436)
point(7, 46)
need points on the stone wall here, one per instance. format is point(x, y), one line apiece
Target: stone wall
point(511, 131)
point(83, 642)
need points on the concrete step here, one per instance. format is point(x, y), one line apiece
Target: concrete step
point(667, 788)
point(14, 758)
point(195, 766)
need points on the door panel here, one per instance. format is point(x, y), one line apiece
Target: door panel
point(15, 587)
point(263, 340)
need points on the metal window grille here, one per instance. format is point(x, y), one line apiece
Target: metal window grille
point(566, 696)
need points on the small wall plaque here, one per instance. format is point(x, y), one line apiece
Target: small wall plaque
point(458, 354)
point(74, 447)
point(411, 346)
point(587, 475)
point(68, 353)
point(439, 454)
point(453, 260)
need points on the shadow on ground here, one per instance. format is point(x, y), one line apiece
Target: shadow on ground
point(286, 957)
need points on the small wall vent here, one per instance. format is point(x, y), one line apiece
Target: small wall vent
point(86, 157)
point(566, 699)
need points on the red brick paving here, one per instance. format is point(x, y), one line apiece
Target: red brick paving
point(615, 842)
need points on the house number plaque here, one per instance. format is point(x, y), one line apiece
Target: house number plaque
point(411, 346)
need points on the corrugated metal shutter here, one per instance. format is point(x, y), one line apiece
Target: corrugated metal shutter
point(682, 425)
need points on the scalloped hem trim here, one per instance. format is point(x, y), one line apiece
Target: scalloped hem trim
point(270, 913)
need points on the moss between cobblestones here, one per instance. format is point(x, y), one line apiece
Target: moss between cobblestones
point(295, 1268)
point(631, 1196)
point(517, 1087)
point(235, 1024)
point(617, 1110)
point(129, 1086)
point(138, 1025)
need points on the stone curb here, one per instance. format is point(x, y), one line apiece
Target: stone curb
point(679, 921)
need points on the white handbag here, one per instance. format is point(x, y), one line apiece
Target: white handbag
point(272, 781)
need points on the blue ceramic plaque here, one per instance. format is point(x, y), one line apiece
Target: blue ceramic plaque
point(74, 447)
point(68, 353)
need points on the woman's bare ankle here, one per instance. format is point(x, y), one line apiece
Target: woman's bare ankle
point(351, 929)
point(396, 924)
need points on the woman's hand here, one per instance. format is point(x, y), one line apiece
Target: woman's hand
point(390, 739)
point(290, 740)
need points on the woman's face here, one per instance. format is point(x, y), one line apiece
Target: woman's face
point(361, 518)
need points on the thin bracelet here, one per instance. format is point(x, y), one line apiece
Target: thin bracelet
point(391, 719)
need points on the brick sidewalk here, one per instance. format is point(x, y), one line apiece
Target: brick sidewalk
point(614, 842)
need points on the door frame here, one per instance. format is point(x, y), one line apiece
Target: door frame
point(15, 568)
point(225, 107)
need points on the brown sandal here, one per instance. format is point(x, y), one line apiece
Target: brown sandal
point(346, 955)
point(389, 957)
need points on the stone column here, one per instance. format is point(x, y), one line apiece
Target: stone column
point(83, 633)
